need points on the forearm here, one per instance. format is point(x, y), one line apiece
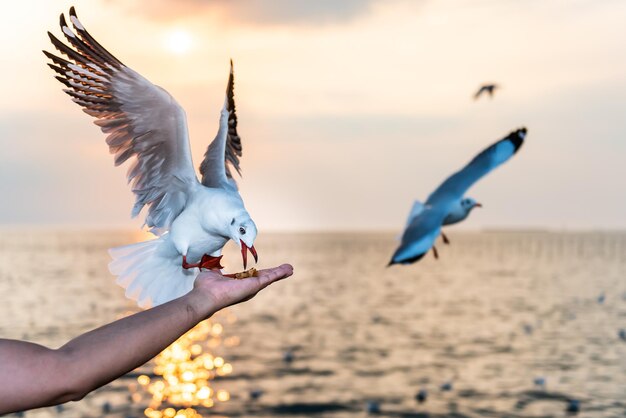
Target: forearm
point(104, 354)
point(95, 358)
point(32, 376)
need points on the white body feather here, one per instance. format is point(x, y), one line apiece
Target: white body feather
point(457, 213)
point(152, 272)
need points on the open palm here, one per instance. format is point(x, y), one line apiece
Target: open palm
point(224, 291)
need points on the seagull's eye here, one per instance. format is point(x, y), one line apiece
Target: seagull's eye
point(242, 230)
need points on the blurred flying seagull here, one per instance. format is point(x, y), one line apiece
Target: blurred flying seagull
point(486, 88)
point(192, 219)
point(446, 205)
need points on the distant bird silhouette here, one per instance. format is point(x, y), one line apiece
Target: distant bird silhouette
point(486, 88)
point(601, 298)
point(447, 205)
point(421, 396)
point(622, 334)
point(446, 387)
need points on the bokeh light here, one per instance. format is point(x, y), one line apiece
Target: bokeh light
point(182, 372)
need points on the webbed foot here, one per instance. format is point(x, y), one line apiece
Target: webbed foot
point(210, 263)
point(206, 262)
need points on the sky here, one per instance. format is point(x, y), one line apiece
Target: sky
point(348, 111)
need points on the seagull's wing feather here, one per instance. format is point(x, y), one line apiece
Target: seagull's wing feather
point(479, 92)
point(225, 150)
point(419, 236)
point(142, 121)
point(456, 185)
point(416, 209)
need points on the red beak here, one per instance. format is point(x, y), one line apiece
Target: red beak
point(244, 253)
point(478, 205)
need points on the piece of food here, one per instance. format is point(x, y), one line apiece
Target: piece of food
point(244, 274)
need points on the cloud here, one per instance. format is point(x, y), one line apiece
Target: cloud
point(261, 12)
point(56, 169)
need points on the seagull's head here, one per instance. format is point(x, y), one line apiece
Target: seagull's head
point(242, 231)
point(469, 203)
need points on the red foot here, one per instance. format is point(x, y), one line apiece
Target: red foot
point(206, 262)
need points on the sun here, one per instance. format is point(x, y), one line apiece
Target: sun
point(178, 41)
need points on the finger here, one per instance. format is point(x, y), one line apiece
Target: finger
point(283, 268)
point(281, 272)
point(269, 276)
point(260, 272)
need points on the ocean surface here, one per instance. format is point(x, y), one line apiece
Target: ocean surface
point(514, 324)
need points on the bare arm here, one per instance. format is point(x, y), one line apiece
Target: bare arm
point(33, 376)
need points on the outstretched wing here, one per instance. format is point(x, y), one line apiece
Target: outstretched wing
point(225, 149)
point(489, 88)
point(142, 121)
point(479, 92)
point(456, 185)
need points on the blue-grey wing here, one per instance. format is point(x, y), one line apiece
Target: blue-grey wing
point(416, 209)
point(419, 236)
point(457, 184)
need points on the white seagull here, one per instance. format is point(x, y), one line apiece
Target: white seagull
point(192, 219)
point(447, 205)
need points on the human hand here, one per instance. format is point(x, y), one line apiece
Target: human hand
point(212, 291)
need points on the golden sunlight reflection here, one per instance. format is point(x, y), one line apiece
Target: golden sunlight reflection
point(142, 235)
point(178, 41)
point(183, 370)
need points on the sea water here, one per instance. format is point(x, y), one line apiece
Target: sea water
point(514, 324)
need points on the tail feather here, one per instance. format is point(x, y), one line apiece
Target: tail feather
point(133, 289)
point(126, 257)
point(174, 281)
point(126, 279)
point(151, 272)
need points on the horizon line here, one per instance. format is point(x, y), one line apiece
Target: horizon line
point(60, 227)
